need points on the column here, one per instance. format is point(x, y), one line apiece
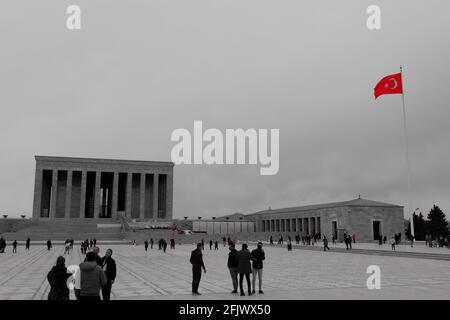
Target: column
point(142, 198)
point(68, 194)
point(129, 189)
point(53, 195)
point(97, 193)
point(83, 194)
point(318, 224)
point(155, 195)
point(38, 176)
point(115, 195)
point(169, 196)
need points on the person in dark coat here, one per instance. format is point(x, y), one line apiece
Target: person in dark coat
point(2, 245)
point(15, 246)
point(49, 245)
point(98, 259)
point(92, 278)
point(197, 265)
point(210, 244)
point(146, 245)
point(258, 256)
point(151, 243)
point(27, 244)
point(325, 244)
point(108, 265)
point(244, 268)
point(233, 266)
point(57, 278)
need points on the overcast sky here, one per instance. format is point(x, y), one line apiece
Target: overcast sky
point(137, 70)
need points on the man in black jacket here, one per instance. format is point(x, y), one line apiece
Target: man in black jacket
point(233, 265)
point(258, 257)
point(109, 267)
point(197, 265)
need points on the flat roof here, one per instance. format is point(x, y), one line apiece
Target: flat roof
point(103, 161)
point(359, 202)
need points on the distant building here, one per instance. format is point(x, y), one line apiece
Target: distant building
point(366, 219)
point(82, 188)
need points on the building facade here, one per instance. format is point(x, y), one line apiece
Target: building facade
point(365, 218)
point(82, 188)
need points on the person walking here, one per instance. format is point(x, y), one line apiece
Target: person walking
point(27, 244)
point(271, 240)
point(92, 278)
point(197, 264)
point(57, 278)
point(393, 242)
point(354, 238)
point(289, 245)
point(151, 243)
point(67, 247)
point(233, 266)
point(15, 246)
point(244, 268)
point(258, 256)
point(109, 268)
point(203, 244)
point(216, 245)
point(2, 245)
point(49, 245)
point(210, 244)
point(146, 245)
point(325, 243)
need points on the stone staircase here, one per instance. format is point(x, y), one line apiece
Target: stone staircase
point(77, 229)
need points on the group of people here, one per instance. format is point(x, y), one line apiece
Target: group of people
point(86, 245)
point(348, 240)
point(95, 275)
point(393, 241)
point(306, 239)
point(438, 241)
point(240, 264)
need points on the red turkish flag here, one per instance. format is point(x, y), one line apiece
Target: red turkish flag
point(389, 85)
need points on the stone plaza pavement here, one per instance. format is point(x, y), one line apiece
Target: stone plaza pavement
point(297, 274)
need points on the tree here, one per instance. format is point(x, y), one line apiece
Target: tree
point(436, 224)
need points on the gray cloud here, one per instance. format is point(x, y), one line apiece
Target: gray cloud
point(137, 71)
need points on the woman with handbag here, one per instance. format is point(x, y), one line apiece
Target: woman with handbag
point(57, 277)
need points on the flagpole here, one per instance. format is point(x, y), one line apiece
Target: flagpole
point(407, 155)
